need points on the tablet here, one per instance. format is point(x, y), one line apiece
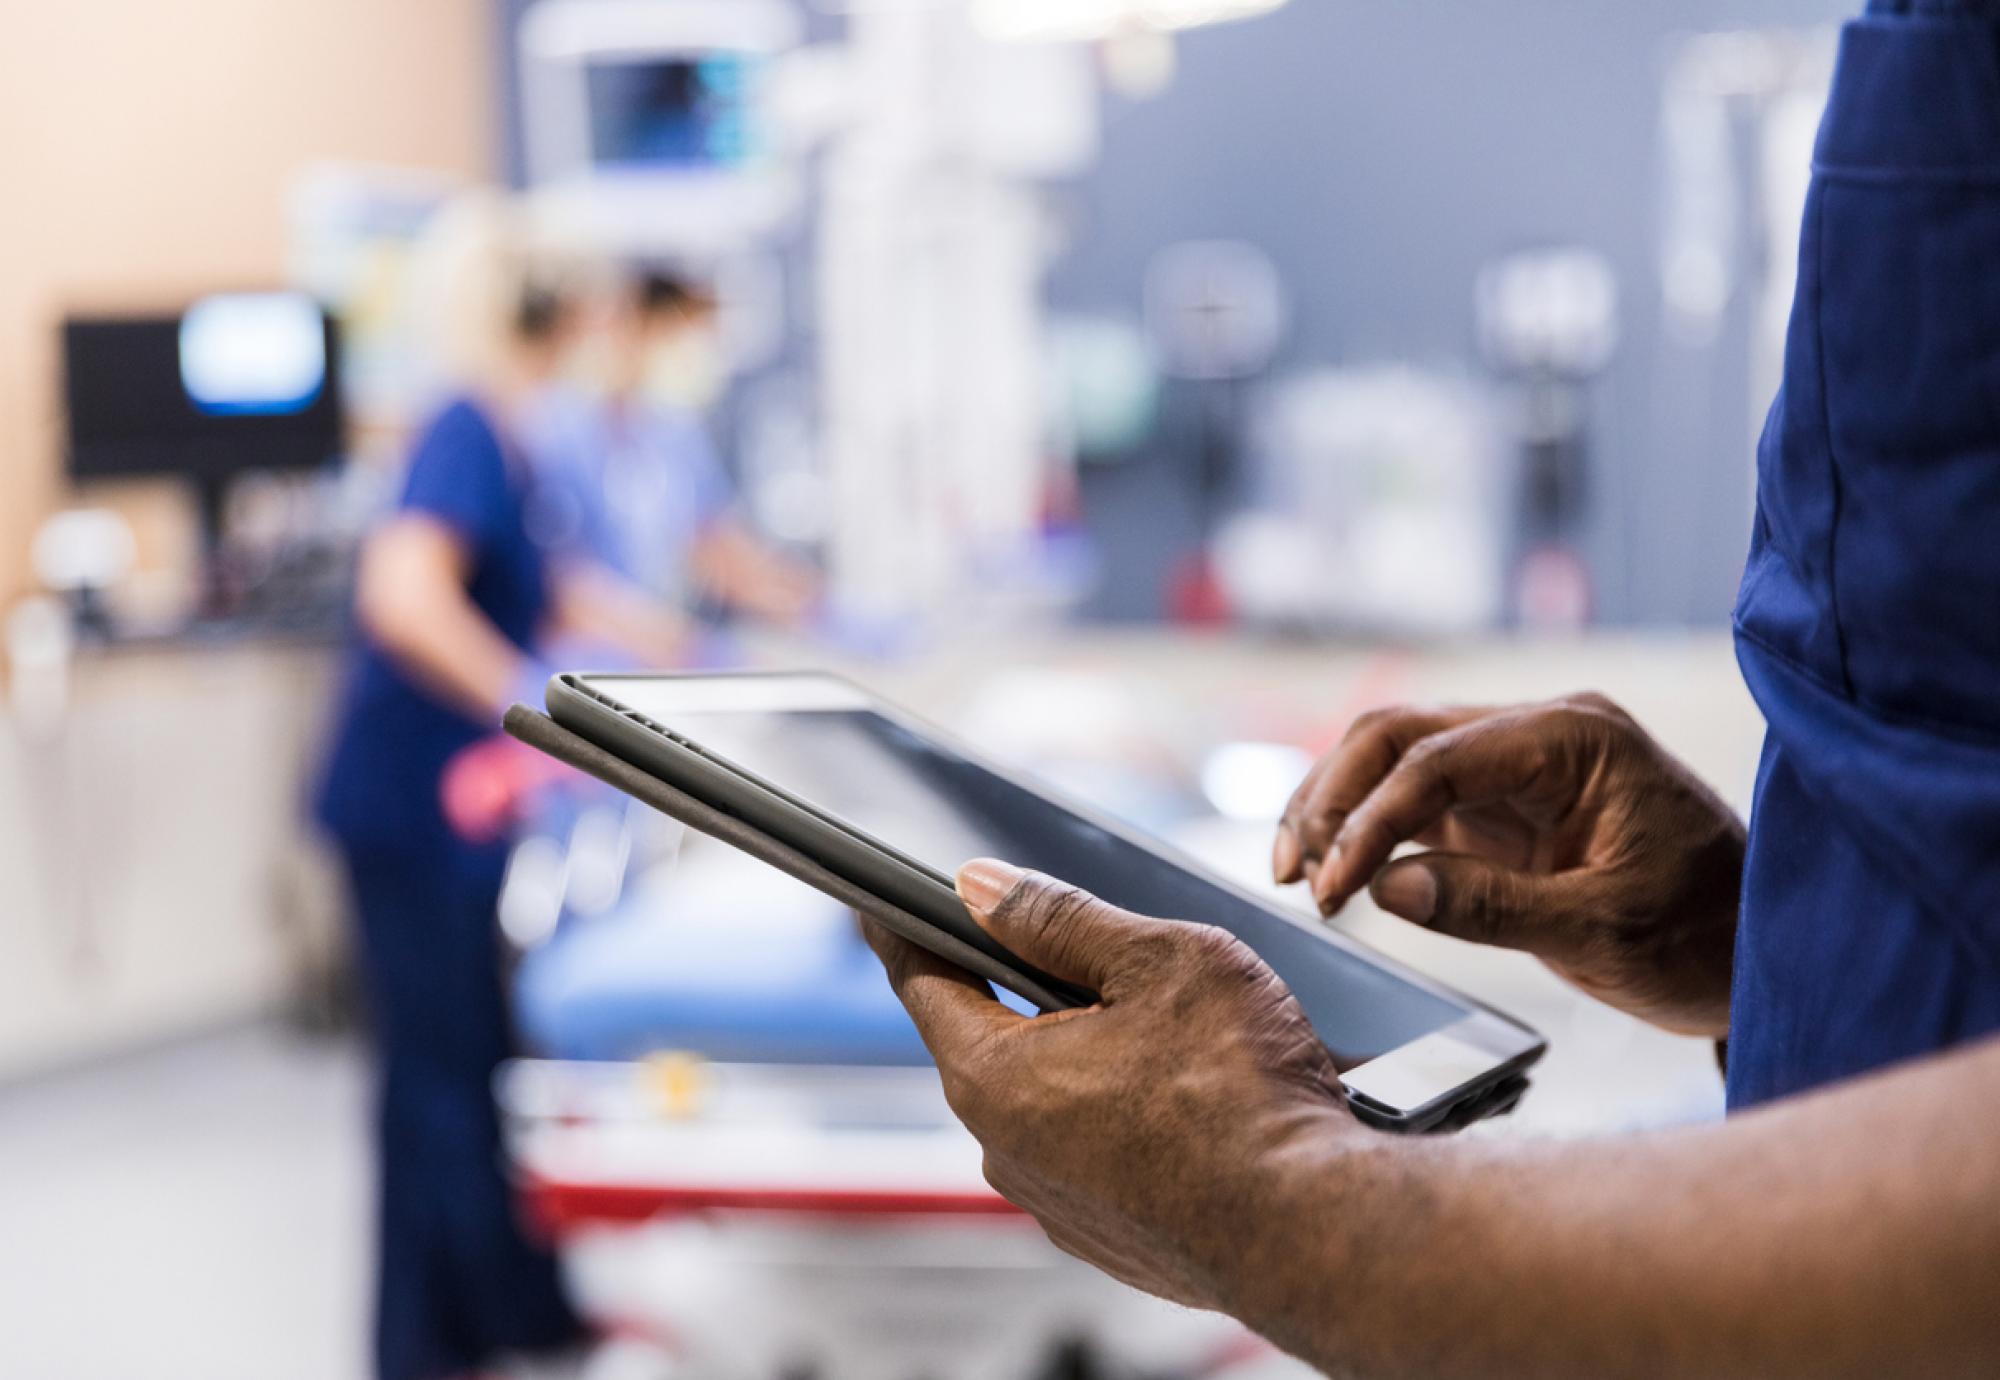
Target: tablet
point(893, 807)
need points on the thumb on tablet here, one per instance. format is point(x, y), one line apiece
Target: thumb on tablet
point(1063, 930)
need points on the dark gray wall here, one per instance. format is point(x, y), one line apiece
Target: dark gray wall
point(1381, 150)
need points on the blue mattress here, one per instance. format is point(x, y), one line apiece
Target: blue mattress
point(645, 979)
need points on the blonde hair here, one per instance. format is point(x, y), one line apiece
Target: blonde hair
point(469, 272)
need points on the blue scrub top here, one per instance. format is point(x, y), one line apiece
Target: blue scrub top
point(394, 736)
point(632, 488)
point(1868, 623)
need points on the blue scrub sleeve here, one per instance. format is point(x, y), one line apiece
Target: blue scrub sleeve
point(458, 475)
point(708, 483)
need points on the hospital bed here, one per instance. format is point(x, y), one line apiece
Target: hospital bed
point(749, 1167)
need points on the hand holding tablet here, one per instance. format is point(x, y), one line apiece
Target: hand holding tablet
point(811, 773)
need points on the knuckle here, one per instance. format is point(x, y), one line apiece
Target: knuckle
point(1430, 763)
point(1578, 720)
point(1599, 703)
point(1298, 816)
point(1210, 965)
point(1427, 758)
point(1583, 735)
point(1595, 722)
point(1370, 721)
point(1219, 957)
point(1522, 741)
point(1295, 805)
point(1211, 944)
point(1363, 833)
point(1155, 946)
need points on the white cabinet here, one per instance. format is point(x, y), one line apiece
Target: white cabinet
point(155, 875)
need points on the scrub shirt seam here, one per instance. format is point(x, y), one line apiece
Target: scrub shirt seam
point(1966, 733)
point(1940, 175)
point(1832, 459)
point(1905, 861)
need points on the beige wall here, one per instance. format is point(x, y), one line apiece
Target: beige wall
point(145, 151)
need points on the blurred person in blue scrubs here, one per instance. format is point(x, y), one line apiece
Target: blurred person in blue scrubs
point(455, 595)
point(626, 444)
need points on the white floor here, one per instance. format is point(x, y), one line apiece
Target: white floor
point(199, 1212)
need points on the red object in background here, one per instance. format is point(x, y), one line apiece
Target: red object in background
point(1379, 684)
point(559, 1208)
point(1552, 590)
point(1195, 597)
point(486, 787)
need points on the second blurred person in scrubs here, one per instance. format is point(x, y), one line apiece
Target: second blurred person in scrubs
point(627, 446)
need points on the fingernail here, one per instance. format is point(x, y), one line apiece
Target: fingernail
point(1285, 855)
point(985, 882)
point(1410, 891)
point(1322, 883)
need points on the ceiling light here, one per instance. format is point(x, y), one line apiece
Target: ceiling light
point(1083, 21)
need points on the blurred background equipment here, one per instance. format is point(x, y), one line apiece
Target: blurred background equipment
point(1216, 313)
point(1548, 323)
point(350, 230)
point(242, 383)
point(1738, 116)
point(651, 127)
point(82, 555)
point(1381, 510)
point(933, 244)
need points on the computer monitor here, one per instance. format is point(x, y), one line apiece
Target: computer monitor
point(652, 130)
point(237, 382)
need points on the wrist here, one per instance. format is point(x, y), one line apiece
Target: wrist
point(1351, 1240)
point(1307, 1210)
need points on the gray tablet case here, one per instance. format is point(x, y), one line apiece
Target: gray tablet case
point(545, 735)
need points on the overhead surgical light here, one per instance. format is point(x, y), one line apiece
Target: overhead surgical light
point(1084, 21)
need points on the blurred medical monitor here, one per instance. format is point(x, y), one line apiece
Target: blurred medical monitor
point(238, 381)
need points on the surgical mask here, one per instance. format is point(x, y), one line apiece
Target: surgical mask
point(591, 364)
point(686, 370)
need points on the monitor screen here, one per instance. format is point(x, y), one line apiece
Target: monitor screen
point(678, 113)
point(240, 381)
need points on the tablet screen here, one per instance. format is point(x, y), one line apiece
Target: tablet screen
point(925, 800)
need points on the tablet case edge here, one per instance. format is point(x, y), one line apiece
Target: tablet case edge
point(546, 736)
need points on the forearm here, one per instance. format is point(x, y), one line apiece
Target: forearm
point(458, 655)
point(1836, 1235)
point(411, 601)
point(740, 571)
point(596, 605)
